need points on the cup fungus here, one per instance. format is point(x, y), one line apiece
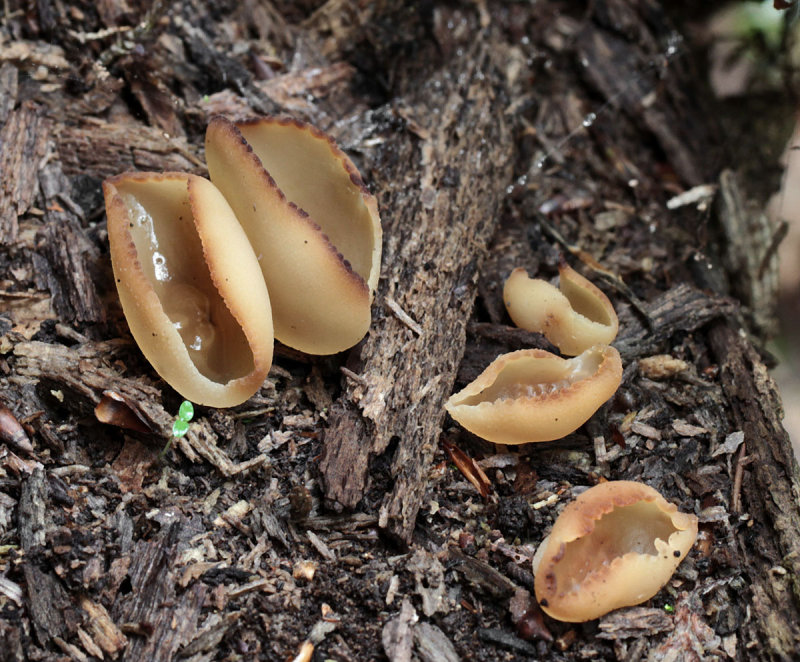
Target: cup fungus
point(311, 221)
point(190, 285)
point(532, 395)
point(615, 546)
point(573, 316)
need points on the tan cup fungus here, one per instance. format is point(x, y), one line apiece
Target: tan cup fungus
point(615, 546)
point(190, 285)
point(532, 395)
point(573, 316)
point(311, 221)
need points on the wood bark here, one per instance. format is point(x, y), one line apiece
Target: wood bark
point(445, 184)
point(769, 478)
point(494, 135)
point(23, 141)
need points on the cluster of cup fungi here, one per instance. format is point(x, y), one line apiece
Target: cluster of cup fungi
point(619, 542)
point(284, 242)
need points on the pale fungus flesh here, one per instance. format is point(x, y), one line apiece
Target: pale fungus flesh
point(532, 395)
point(310, 220)
point(190, 285)
point(615, 546)
point(573, 316)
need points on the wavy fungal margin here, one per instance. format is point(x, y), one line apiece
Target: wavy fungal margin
point(573, 316)
point(311, 221)
point(532, 395)
point(615, 546)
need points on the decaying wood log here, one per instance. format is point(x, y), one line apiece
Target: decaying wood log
point(49, 602)
point(113, 149)
point(767, 474)
point(441, 199)
point(162, 620)
point(23, 141)
point(64, 267)
point(495, 135)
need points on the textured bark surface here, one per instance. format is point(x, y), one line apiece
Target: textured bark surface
point(338, 513)
point(445, 198)
point(23, 141)
point(763, 463)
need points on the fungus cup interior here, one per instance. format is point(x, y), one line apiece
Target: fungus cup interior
point(639, 529)
point(585, 298)
point(536, 376)
point(190, 285)
point(171, 257)
point(616, 545)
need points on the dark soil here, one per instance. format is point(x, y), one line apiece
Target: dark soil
point(331, 516)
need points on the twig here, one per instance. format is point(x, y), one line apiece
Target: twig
point(403, 316)
point(741, 462)
point(358, 379)
point(612, 279)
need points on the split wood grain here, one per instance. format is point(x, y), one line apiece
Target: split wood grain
point(770, 548)
point(23, 142)
point(440, 199)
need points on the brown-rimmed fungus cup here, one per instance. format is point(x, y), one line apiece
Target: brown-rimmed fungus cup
point(615, 546)
point(532, 395)
point(190, 285)
point(573, 316)
point(311, 221)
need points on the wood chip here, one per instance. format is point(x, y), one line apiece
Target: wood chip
point(398, 634)
point(403, 316)
point(469, 468)
point(432, 645)
point(634, 622)
point(103, 630)
point(11, 590)
point(687, 429)
point(89, 645)
point(209, 635)
point(661, 366)
point(23, 142)
point(482, 574)
point(201, 441)
point(729, 446)
point(645, 430)
point(320, 546)
point(429, 580)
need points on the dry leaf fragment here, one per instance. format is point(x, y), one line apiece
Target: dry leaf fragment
point(12, 432)
point(469, 468)
point(116, 409)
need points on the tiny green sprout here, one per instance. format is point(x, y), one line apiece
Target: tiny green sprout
point(179, 428)
point(669, 609)
point(186, 411)
point(181, 425)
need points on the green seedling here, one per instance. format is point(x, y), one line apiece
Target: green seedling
point(181, 425)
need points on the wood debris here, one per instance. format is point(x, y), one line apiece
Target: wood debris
point(322, 519)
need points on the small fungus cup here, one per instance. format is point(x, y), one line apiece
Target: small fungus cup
point(311, 221)
point(532, 395)
point(190, 285)
point(615, 546)
point(573, 316)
